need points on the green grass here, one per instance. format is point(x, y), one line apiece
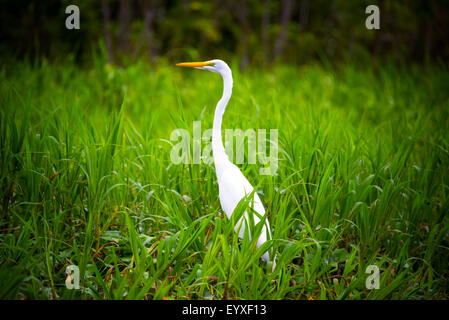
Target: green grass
point(86, 179)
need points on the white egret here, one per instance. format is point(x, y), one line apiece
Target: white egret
point(232, 184)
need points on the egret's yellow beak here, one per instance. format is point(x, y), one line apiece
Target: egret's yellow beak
point(195, 64)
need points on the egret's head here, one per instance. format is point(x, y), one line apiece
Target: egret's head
point(216, 65)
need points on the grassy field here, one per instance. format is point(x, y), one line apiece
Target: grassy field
point(86, 179)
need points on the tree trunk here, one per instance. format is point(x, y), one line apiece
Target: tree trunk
point(242, 15)
point(149, 14)
point(265, 28)
point(107, 34)
point(287, 6)
point(304, 13)
point(124, 22)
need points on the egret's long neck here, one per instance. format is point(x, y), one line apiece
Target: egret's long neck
point(217, 144)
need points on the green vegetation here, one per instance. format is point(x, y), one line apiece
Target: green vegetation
point(86, 179)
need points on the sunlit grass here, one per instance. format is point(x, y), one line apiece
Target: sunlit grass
point(86, 179)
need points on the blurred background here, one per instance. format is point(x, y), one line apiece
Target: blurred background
point(248, 31)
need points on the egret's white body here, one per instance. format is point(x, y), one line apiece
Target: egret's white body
point(232, 184)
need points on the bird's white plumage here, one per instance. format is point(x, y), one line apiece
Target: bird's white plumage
point(233, 186)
